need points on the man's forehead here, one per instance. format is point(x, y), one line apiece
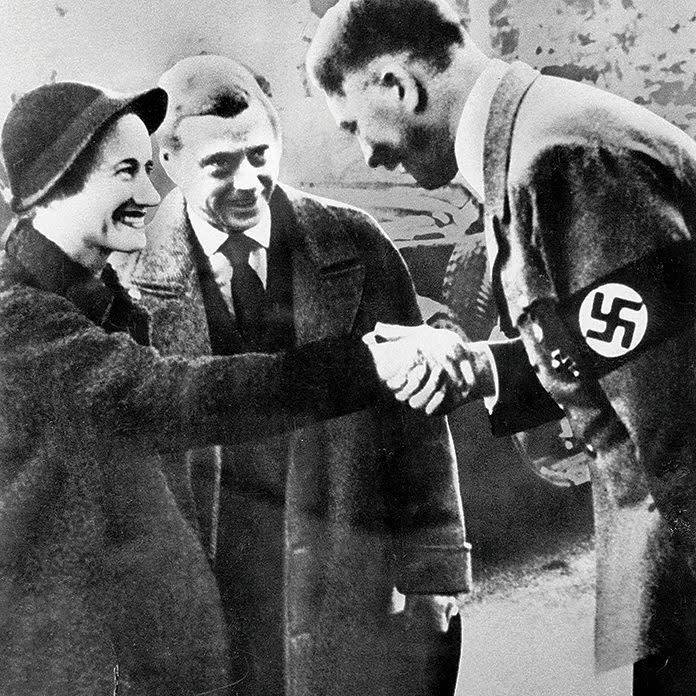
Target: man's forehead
point(351, 97)
point(250, 127)
point(358, 99)
point(338, 107)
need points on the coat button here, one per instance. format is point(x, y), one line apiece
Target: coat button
point(134, 293)
point(556, 360)
point(591, 452)
point(538, 333)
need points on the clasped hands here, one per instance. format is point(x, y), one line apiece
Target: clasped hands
point(434, 370)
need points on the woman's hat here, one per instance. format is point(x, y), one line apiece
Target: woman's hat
point(48, 127)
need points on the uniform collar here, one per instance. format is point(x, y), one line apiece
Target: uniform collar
point(471, 132)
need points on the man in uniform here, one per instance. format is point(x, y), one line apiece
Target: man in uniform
point(590, 216)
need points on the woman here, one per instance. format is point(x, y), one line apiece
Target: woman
point(103, 584)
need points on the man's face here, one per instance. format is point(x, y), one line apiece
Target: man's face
point(110, 209)
point(226, 168)
point(391, 135)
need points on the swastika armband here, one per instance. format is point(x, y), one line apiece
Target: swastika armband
point(633, 308)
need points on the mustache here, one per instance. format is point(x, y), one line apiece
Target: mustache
point(243, 198)
point(230, 193)
point(386, 156)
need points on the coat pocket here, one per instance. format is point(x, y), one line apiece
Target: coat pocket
point(164, 290)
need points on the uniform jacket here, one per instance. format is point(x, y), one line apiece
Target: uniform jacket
point(104, 586)
point(590, 193)
point(311, 545)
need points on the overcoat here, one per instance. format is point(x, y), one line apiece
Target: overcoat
point(591, 205)
point(104, 586)
point(309, 552)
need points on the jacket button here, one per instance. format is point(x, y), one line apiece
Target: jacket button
point(538, 333)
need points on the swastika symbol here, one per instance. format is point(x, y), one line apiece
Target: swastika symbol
point(613, 319)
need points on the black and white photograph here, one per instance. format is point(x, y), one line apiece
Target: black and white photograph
point(348, 348)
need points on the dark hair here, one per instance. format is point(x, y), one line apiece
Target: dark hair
point(226, 103)
point(75, 177)
point(373, 28)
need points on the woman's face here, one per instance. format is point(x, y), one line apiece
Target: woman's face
point(109, 211)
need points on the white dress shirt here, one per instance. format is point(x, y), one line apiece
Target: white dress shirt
point(251, 244)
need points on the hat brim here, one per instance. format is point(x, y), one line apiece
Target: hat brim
point(150, 106)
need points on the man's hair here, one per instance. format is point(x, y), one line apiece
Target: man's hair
point(75, 177)
point(227, 104)
point(355, 33)
point(210, 85)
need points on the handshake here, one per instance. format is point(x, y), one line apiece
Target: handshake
point(432, 369)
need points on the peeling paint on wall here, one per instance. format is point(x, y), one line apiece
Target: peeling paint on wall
point(505, 37)
point(639, 49)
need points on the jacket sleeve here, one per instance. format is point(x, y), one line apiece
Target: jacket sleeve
point(522, 402)
point(172, 403)
point(597, 211)
point(431, 553)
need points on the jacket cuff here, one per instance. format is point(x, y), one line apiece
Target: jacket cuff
point(522, 402)
point(442, 570)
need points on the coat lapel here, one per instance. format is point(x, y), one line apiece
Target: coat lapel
point(496, 159)
point(327, 271)
point(164, 274)
point(166, 263)
point(501, 120)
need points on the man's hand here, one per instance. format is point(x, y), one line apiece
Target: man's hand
point(394, 359)
point(432, 369)
point(431, 613)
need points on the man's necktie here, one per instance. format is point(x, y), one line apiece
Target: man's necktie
point(246, 289)
point(248, 297)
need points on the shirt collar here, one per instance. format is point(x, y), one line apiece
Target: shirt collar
point(211, 238)
point(471, 132)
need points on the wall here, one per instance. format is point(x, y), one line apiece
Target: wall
point(641, 49)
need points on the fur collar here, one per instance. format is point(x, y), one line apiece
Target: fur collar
point(43, 265)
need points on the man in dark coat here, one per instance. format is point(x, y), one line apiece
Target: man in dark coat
point(590, 219)
point(313, 533)
point(104, 586)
